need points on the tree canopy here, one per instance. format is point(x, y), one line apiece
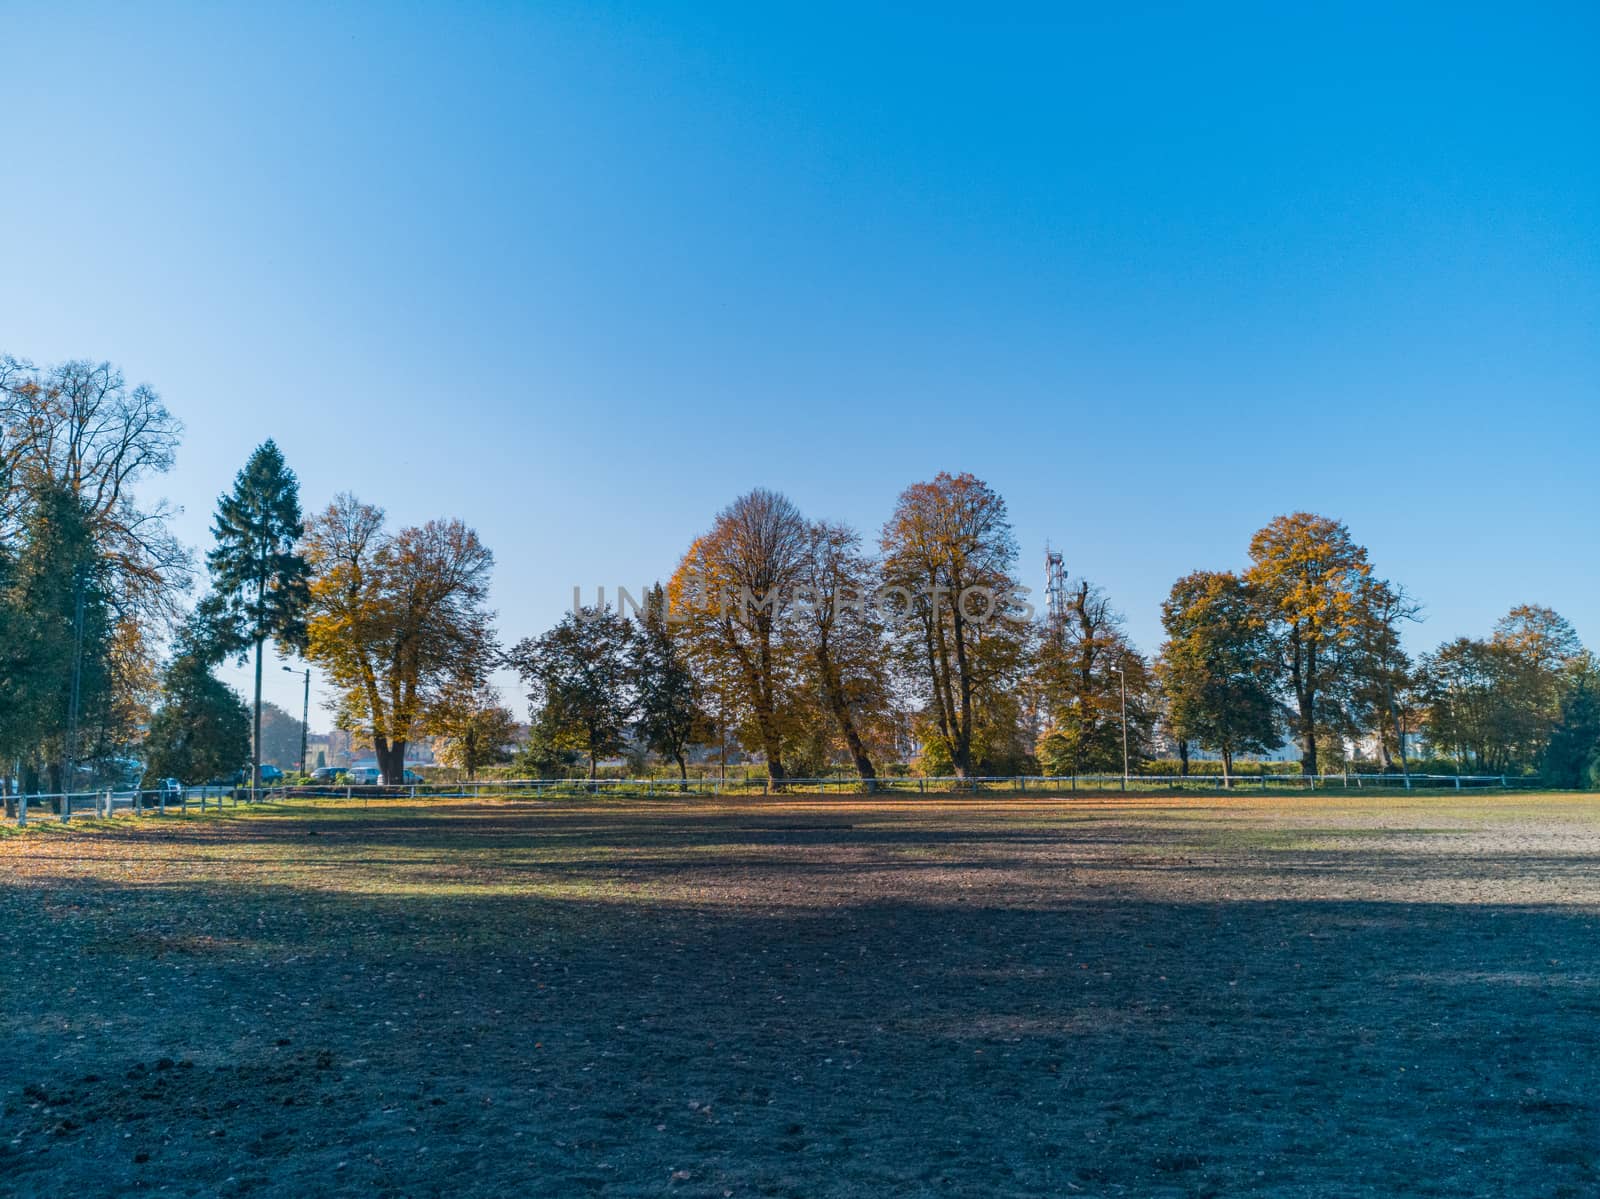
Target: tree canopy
point(397, 620)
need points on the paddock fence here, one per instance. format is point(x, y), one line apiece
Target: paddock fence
point(182, 801)
point(102, 805)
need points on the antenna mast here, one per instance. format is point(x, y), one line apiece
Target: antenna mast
point(1055, 591)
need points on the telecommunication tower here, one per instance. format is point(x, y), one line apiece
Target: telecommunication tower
point(1055, 590)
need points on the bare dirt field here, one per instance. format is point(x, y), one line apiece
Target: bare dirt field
point(1255, 996)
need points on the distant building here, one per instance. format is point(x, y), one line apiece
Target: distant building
point(1289, 751)
point(1370, 749)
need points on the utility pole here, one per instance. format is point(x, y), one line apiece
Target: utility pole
point(305, 716)
point(1123, 678)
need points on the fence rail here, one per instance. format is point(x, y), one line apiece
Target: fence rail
point(64, 805)
point(107, 804)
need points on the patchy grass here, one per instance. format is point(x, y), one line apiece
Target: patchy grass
point(1157, 995)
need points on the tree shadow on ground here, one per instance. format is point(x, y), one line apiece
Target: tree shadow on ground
point(901, 1044)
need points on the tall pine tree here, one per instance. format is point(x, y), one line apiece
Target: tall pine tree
point(260, 579)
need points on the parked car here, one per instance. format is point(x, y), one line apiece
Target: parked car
point(328, 774)
point(170, 789)
point(363, 776)
point(270, 773)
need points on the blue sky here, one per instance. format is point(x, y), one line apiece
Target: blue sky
point(580, 274)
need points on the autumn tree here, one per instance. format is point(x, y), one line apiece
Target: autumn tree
point(395, 620)
point(1536, 647)
point(1088, 671)
point(1382, 688)
point(734, 593)
point(1216, 667)
point(1310, 580)
point(668, 713)
point(1464, 700)
point(840, 627)
point(258, 574)
point(1497, 702)
point(580, 681)
point(473, 728)
point(948, 554)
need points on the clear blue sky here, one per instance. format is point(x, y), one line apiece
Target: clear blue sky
point(580, 274)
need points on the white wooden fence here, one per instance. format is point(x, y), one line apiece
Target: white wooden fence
point(107, 804)
point(63, 806)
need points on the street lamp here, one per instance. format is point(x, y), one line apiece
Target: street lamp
point(305, 717)
point(1123, 678)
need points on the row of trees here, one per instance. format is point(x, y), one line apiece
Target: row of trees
point(397, 620)
point(1528, 693)
point(93, 585)
point(791, 637)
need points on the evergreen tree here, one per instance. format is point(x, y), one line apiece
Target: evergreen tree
point(1573, 756)
point(55, 662)
point(260, 578)
point(201, 731)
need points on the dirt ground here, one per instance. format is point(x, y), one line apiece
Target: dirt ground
point(1291, 997)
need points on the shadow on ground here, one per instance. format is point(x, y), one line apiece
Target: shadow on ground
point(676, 1005)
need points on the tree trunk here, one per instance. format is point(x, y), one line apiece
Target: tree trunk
point(1399, 738)
point(833, 690)
point(773, 748)
point(964, 679)
point(1308, 739)
point(1303, 676)
point(1227, 767)
point(944, 700)
point(1183, 757)
point(391, 757)
point(683, 766)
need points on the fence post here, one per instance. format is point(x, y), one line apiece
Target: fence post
point(22, 811)
point(66, 808)
point(1502, 782)
point(138, 803)
point(1458, 782)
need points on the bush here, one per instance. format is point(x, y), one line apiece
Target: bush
point(1209, 768)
